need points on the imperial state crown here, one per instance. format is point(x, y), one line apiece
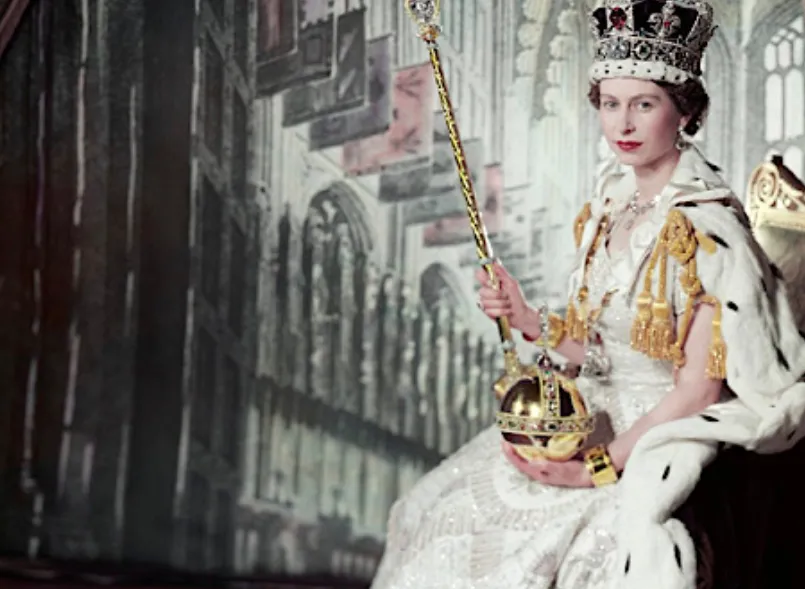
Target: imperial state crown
point(660, 40)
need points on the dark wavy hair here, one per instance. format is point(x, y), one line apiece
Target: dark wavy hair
point(690, 99)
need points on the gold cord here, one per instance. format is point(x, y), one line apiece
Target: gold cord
point(652, 329)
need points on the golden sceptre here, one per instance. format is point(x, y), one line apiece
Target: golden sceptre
point(542, 414)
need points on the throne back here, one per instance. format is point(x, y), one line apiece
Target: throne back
point(776, 207)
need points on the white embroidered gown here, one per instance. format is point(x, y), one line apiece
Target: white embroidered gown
point(475, 522)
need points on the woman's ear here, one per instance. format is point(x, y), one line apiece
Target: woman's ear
point(683, 122)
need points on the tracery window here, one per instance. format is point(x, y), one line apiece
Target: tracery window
point(784, 64)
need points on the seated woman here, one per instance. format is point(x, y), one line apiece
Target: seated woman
point(692, 322)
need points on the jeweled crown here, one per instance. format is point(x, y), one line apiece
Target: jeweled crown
point(660, 40)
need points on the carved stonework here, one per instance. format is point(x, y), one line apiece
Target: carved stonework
point(443, 416)
point(345, 381)
point(406, 388)
point(371, 329)
point(460, 390)
point(278, 296)
point(424, 377)
point(390, 344)
point(776, 197)
point(299, 318)
point(320, 293)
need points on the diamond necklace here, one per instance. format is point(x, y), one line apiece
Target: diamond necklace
point(638, 209)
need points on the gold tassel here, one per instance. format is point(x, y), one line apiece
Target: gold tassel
point(717, 357)
point(652, 330)
point(717, 360)
point(642, 322)
point(660, 333)
point(640, 339)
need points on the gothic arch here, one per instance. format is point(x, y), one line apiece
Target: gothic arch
point(342, 200)
point(438, 282)
point(768, 16)
point(335, 245)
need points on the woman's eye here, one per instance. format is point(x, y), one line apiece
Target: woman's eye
point(644, 106)
point(610, 105)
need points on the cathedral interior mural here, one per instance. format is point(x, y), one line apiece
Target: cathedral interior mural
point(236, 275)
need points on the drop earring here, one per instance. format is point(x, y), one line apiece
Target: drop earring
point(681, 142)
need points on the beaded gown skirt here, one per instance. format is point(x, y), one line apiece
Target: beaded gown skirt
point(477, 522)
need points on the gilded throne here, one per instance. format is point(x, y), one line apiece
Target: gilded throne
point(745, 514)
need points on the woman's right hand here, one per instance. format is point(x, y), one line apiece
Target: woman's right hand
point(506, 301)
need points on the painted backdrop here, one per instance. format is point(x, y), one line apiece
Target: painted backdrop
point(235, 279)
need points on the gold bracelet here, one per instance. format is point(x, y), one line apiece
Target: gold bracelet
point(556, 332)
point(599, 465)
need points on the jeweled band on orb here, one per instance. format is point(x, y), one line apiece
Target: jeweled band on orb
point(524, 424)
point(599, 465)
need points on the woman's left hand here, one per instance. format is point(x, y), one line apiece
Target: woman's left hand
point(572, 473)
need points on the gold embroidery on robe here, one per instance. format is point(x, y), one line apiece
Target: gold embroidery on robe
point(580, 222)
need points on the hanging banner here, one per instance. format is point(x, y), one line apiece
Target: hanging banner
point(276, 28)
point(414, 181)
point(346, 89)
point(442, 197)
point(374, 117)
point(435, 179)
point(309, 61)
point(455, 230)
point(409, 183)
point(409, 138)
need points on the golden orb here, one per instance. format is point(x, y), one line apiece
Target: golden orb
point(544, 416)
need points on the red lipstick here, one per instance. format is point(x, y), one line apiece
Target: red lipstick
point(628, 145)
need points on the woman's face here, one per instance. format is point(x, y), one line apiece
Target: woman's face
point(639, 120)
